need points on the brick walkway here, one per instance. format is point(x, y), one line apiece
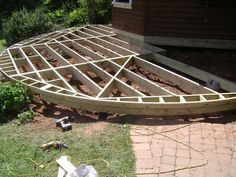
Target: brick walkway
point(156, 153)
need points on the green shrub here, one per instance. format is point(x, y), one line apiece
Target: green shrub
point(103, 11)
point(13, 97)
point(25, 116)
point(7, 7)
point(79, 16)
point(24, 24)
point(77, 13)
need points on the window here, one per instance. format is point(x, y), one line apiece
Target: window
point(122, 4)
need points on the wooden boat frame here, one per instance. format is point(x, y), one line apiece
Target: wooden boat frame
point(95, 48)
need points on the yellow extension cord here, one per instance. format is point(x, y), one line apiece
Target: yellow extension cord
point(162, 134)
point(41, 167)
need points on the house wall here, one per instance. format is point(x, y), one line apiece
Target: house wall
point(178, 18)
point(191, 19)
point(130, 20)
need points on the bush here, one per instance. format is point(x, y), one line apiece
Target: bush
point(103, 11)
point(13, 97)
point(77, 13)
point(79, 16)
point(24, 24)
point(26, 116)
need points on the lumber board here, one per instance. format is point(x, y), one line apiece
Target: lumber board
point(99, 30)
point(87, 51)
point(195, 72)
point(146, 84)
point(72, 53)
point(188, 84)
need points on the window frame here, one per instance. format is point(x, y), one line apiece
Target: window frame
point(125, 5)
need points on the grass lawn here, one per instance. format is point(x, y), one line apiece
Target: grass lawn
point(2, 47)
point(19, 147)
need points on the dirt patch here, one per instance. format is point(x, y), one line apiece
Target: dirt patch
point(57, 111)
point(41, 123)
point(96, 128)
point(158, 80)
point(72, 61)
point(54, 62)
point(110, 71)
point(78, 85)
point(93, 76)
point(23, 69)
point(39, 65)
point(116, 93)
point(136, 86)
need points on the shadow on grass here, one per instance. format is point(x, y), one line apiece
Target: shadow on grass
point(5, 118)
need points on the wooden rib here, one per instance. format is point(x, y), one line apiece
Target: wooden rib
point(13, 62)
point(99, 30)
point(87, 81)
point(126, 89)
point(194, 72)
point(110, 84)
point(74, 35)
point(117, 42)
point(146, 84)
point(98, 47)
point(82, 34)
point(87, 51)
point(52, 68)
point(72, 53)
point(81, 76)
point(106, 28)
point(173, 77)
point(113, 47)
point(46, 85)
point(31, 65)
point(48, 38)
point(91, 32)
point(102, 74)
point(55, 55)
point(107, 89)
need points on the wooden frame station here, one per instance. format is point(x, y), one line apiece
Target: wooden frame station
point(91, 68)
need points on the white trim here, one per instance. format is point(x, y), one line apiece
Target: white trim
point(122, 4)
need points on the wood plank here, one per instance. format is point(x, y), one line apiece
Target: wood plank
point(97, 29)
point(195, 72)
point(64, 81)
point(72, 53)
point(181, 81)
point(13, 62)
point(108, 88)
point(126, 89)
point(87, 51)
point(65, 164)
point(103, 50)
point(113, 47)
point(146, 84)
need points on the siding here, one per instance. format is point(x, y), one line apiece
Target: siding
point(190, 18)
point(131, 20)
point(178, 18)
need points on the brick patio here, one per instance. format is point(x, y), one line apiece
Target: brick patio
point(157, 153)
